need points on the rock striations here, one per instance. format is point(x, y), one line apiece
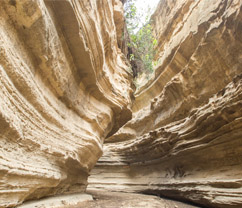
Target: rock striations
point(185, 137)
point(63, 87)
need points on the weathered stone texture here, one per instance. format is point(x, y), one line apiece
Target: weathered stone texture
point(63, 88)
point(184, 139)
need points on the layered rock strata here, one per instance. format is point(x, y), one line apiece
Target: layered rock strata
point(63, 88)
point(184, 139)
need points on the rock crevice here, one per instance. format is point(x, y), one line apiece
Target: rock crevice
point(65, 88)
point(184, 138)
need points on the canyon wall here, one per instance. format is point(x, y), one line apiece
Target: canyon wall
point(184, 139)
point(64, 87)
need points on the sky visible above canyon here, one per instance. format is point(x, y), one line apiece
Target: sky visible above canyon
point(143, 7)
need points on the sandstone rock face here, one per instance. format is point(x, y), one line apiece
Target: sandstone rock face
point(63, 88)
point(184, 139)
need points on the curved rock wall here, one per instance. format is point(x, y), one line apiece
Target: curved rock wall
point(184, 139)
point(63, 88)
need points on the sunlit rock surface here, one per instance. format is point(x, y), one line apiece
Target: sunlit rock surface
point(185, 137)
point(63, 88)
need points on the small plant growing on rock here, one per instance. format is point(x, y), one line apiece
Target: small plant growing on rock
point(142, 41)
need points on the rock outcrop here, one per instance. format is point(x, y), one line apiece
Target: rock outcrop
point(184, 139)
point(64, 87)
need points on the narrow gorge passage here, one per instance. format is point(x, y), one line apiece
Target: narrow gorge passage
point(78, 130)
point(184, 138)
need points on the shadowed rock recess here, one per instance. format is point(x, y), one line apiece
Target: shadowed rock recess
point(65, 87)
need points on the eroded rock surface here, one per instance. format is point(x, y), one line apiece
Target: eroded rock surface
point(105, 199)
point(184, 139)
point(63, 88)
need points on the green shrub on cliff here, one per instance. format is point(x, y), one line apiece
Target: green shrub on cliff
point(142, 42)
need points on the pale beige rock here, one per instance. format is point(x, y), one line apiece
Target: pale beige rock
point(106, 199)
point(58, 201)
point(184, 139)
point(63, 88)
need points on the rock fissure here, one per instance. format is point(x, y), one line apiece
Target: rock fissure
point(71, 121)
